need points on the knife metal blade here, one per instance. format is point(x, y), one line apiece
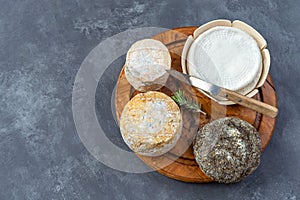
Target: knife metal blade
point(219, 92)
point(210, 88)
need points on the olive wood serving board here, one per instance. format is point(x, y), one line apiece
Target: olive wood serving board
point(183, 166)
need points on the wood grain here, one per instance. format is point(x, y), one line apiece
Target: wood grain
point(254, 104)
point(183, 166)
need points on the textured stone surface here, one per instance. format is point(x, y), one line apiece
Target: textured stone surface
point(42, 46)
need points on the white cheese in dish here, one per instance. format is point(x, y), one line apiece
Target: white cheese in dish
point(226, 56)
point(145, 66)
point(151, 123)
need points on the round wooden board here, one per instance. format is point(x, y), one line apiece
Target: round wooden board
point(182, 166)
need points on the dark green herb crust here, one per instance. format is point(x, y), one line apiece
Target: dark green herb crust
point(227, 149)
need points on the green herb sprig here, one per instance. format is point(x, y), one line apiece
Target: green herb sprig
point(186, 103)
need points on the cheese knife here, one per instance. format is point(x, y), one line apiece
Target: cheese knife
point(219, 92)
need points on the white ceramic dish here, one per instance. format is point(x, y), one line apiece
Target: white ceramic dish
point(257, 73)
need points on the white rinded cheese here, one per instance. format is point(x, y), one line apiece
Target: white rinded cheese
point(227, 57)
point(145, 66)
point(151, 123)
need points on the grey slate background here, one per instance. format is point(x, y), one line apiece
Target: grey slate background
point(42, 46)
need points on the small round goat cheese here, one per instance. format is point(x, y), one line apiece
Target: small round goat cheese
point(151, 123)
point(146, 62)
point(226, 56)
point(227, 149)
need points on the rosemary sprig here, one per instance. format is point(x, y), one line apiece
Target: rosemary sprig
point(187, 103)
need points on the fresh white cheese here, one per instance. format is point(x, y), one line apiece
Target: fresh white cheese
point(151, 123)
point(226, 56)
point(145, 66)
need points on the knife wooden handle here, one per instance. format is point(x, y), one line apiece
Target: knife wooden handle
point(253, 104)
